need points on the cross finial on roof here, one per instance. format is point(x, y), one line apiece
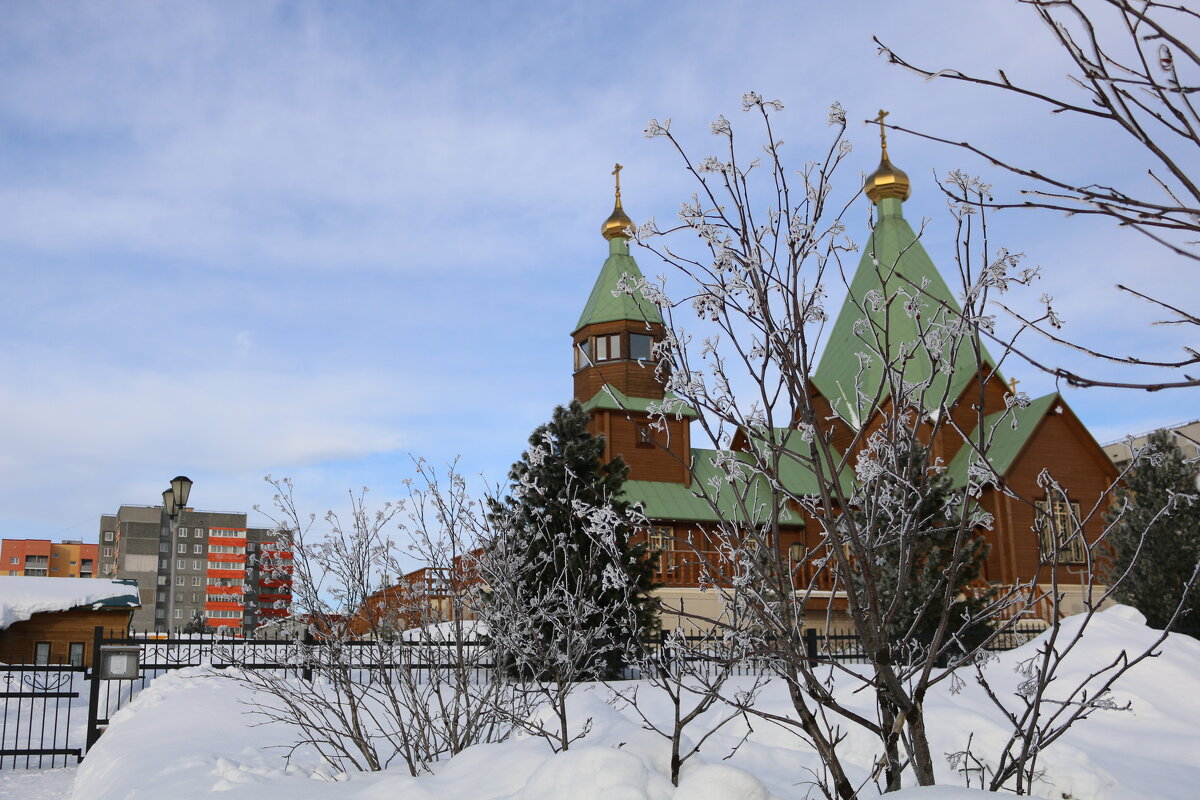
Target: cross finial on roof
point(882, 131)
point(617, 171)
point(1012, 385)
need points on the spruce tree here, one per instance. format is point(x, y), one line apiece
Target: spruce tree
point(576, 586)
point(912, 517)
point(196, 624)
point(1158, 574)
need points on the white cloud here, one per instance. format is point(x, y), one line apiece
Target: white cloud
point(93, 417)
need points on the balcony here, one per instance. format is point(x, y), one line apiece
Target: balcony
point(687, 568)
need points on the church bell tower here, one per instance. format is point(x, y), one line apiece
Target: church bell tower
point(614, 364)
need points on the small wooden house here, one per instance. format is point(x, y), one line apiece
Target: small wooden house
point(52, 620)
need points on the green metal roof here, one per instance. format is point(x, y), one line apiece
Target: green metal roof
point(611, 398)
point(606, 303)
point(675, 501)
point(1007, 438)
point(127, 600)
point(892, 263)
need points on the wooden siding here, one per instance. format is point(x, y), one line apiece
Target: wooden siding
point(965, 414)
point(667, 459)
point(693, 552)
point(60, 628)
point(841, 434)
point(1063, 447)
point(635, 379)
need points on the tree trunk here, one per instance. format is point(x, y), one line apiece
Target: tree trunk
point(825, 748)
point(922, 759)
point(891, 745)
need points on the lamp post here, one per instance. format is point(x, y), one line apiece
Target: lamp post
point(174, 502)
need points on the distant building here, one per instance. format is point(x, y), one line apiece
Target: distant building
point(217, 568)
point(52, 620)
point(42, 558)
point(1186, 436)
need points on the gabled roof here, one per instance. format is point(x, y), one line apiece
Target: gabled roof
point(1008, 438)
point(610, 398)
point(608, 304)
point(893, 264)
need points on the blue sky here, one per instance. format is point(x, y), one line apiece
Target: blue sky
point(312, 239)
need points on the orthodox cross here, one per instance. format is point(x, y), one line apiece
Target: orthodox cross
point(1012, 385)
point(882, 131)
point(617, 171)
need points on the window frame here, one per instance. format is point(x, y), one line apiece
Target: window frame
point(645, 435)
point(660, 538)
point(1058, 523)
point(649, 346)
point(604, 345)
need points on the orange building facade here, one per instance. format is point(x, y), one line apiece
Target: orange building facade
point(46, 559)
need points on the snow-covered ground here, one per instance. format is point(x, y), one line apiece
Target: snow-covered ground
point(47, 784)
point(191, 733)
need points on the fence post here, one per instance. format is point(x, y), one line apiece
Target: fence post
point(308, 641)
point(93, 728)
point(810, 643)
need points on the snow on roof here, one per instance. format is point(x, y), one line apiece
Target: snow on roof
point(21, 597)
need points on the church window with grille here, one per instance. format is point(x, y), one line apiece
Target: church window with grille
point(658, 539)
point(1060, 531)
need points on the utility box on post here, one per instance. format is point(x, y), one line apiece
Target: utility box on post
point(119, 662)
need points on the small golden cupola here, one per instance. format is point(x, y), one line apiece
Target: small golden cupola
point(618, 222)
point(886, 180)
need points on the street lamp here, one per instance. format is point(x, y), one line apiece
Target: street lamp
point(181, 488)
point(174, 502)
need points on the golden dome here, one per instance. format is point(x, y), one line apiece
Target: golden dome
point(618, 221)
point(887, 181)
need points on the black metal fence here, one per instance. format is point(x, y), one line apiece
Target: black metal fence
point(830, 646)
point(44, 723)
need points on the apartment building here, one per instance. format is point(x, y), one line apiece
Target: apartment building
point(212, 566)
point(43, 558)
point(1186, 435)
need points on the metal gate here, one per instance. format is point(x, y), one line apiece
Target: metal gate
point(42, 722)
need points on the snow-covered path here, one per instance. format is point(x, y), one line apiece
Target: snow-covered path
point(47, 784)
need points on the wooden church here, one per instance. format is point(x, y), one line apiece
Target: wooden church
point(612, 344)
point(615, 382)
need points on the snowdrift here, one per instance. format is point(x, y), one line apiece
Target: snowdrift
point(192, 733)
